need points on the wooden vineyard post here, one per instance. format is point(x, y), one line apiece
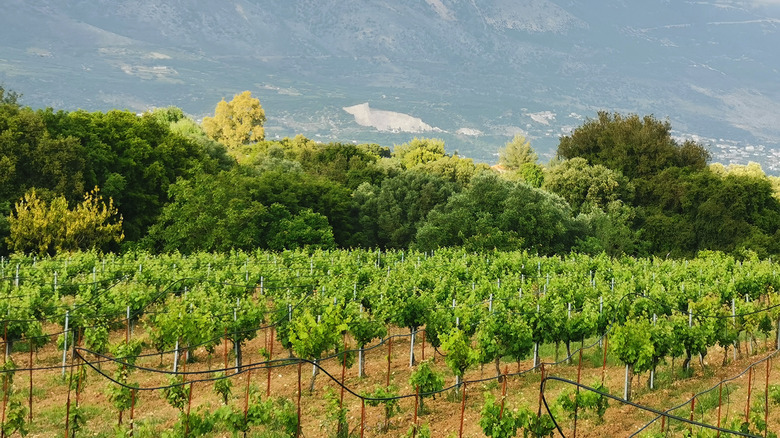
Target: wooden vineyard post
point(29, 414)
point(462, 410)
point(79, 368)
point(423, 345)
point(5, 376)
point(246, 396)
point(389, 350)
point(766, 399)
point(541, 390)
point(720, 402)
point(343, 376)
point(189, 405)
point(750, 383)
point(343, 373)
point(362, 416)
point(127, 327)
point(416, 401)
point(5, 402)
point(663, 423)
point(270, 356)
point(224, 352)
point(132, 410)
point(577, 394)
point(503, 393)
point(604, 364)
point(693, 406)
point(298, 431)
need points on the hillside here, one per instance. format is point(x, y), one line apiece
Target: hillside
point(478, 71)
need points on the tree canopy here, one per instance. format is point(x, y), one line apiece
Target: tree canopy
point(238, 122)
point(494, 213)
point(620, 184)
point(38, 226)
point(637, 147)
point(516, 153)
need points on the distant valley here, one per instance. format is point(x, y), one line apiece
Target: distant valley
point(472, 73)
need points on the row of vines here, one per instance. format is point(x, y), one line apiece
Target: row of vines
point(139, 324)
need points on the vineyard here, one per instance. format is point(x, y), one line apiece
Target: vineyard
point(373, 343)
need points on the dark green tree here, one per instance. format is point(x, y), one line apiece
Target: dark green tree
point(298, 191)
point(133, 159)
point(211, 213)
point(637, 147)
point(389, 215)
point(495, 213)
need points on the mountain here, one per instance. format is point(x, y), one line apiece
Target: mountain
point(471, 72)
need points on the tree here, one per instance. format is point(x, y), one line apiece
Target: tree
point(516, 153)
point(427, 155)
point(238, 122)
point(181, 124)
point(211, 213)
point(611, 231)
point(419, 151)
point(389, 215)
point(9, 97)
point(584, 186)
point(30, 156)
point(48, 228)
point(350, 165)
point(638, 147)
point(493, 213)
point(132, 159)
point(230, 210)
point(307, 229)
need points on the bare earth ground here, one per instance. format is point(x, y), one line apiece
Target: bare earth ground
point(153, 414)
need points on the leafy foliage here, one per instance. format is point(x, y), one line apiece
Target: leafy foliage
point(517, 153)
point(48, 228)
point(237, 122)
point(637, 147)
point(387, 398)
point(223, 386)
point(585, 401)
point(427, 380)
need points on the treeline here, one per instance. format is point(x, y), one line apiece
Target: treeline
point(620, 185)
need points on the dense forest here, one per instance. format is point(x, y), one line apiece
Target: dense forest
point(620, 184)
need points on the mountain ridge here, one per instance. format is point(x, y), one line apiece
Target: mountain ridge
point(462, 66)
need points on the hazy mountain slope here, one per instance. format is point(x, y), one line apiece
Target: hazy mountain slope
point(489, 67)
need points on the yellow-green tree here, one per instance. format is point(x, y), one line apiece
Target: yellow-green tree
point(516, 153)
point(751, 169)
point(419, 151)
point(427, 154)
point(519, 160)
point(49, 227)
point(237, 122)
